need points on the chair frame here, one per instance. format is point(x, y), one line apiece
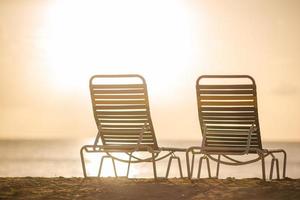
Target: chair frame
point(129, 149)
point(207, 152)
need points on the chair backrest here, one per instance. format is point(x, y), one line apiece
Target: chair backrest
point(121, 109)
point(227, 108)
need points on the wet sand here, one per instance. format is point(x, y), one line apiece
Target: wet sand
point(171, 189)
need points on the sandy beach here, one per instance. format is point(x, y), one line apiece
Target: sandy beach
point(122, 188)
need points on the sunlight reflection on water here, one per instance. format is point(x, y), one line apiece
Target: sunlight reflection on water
point(93, 164)
point(61, 158)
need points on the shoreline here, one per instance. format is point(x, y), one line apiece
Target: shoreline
point(123, 188)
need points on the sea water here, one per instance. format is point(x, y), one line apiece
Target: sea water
point(52, 158)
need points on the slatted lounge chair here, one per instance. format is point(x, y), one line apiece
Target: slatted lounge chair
point(122, 114)
point(227, 108)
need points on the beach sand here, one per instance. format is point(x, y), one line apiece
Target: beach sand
point(171, 189)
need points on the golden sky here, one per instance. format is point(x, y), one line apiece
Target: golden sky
point(49, 49)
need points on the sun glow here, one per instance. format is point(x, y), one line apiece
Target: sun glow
point(87, 37)
point(93, 164)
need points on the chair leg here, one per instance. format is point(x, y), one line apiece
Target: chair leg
point(169, 165)
point(208, 167)
point(180, 168)
point(192, 167)
point(101, 163)
point(218, 166)
point(284, 164)
point(276, 162)
point(277, 169)
point(263, 167)
point(128, 167)
point(114, 165)
point(83, 162)
point(154, 166)
point(188, 164)
point(200, 166)
point(271, 169)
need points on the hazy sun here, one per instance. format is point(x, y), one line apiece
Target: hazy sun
point(88, 37)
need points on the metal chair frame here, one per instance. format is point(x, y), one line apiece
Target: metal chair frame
point(215, 100)
point(111, 145)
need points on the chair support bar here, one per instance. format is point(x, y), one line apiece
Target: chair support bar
point(154, 157)
point(262, 154)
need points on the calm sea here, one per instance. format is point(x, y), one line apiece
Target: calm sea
point(61, 158)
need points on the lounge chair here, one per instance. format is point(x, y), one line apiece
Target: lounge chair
point(227, 108)
point(122, 114)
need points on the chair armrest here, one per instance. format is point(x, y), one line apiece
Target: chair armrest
point(97, 137)
point(251, 130)
point(143, 130)
point(204, 136)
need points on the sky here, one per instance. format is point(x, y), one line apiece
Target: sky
point(49, 49)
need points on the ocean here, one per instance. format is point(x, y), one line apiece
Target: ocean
point(53, 158)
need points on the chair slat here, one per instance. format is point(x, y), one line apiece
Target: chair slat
point(232, 103)
point(121, 113)
point(223, 98)
point(117, 107)
point(229, 117)
point(229, 138)
point(127, 136)
point(241, 114)
point(133, 91)
point(121, 135)
point(210, 138)
point(141, 102)
point(99, 117)
point(227, 127)
point(123, 131)
point(226, 92)
point(123, 121)
point(122, 126)
point(250, 109)
point(229, 122)
point(232, 146)
point(226, 143)
point(244, 86)
point(120, 148)
point(117, 86)
point(119, 96)
point(129, 141)
point(229, 135)
point(225, 131)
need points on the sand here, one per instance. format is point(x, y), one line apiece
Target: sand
point(171, 189)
